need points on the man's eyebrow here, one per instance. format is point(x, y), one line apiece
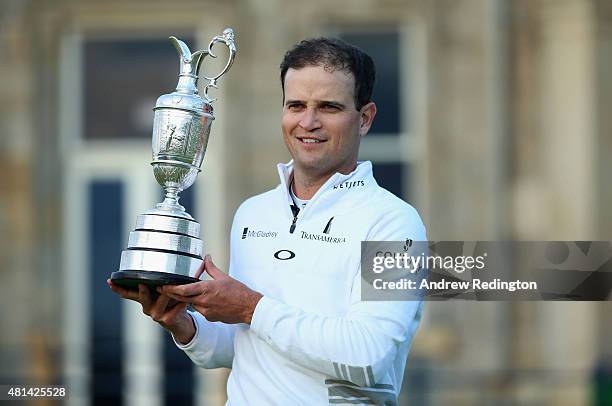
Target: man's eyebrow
point(319, 103)
point(331, 103)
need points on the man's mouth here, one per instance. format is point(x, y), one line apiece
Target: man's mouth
point(311, 140)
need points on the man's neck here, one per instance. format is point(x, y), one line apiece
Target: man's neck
point(305, 186)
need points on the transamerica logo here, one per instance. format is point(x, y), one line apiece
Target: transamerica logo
point(349, 184)
point(258, 233)
point(322, 237)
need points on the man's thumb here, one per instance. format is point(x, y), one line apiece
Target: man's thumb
point(211, 268)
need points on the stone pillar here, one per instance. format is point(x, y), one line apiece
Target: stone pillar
point(554, 189)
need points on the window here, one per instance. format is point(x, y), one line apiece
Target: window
point(122, 79)
point(384, 48)
point(391, 143)
point(109, 87)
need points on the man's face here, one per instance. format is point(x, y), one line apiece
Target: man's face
point(321, 126)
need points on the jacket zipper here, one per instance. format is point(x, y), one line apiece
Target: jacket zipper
point(295, 211)
point(292, 228)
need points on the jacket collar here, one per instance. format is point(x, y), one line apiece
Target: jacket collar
point(361, 178)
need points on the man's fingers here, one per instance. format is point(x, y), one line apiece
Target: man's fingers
point(190, 289)
point(212, 269)
point(200, 270)
point(123, 292)
point(175, 311)
point(182, 299)
point(144, 297)
point(159, 307)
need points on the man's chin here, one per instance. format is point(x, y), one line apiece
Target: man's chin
point(315, 169)
point(310, 166)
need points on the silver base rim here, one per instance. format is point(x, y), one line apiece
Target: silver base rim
point(155, 261)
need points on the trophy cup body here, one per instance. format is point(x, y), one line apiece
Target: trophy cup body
point(165, 247)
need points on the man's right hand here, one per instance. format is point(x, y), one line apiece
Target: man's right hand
point(171, 315)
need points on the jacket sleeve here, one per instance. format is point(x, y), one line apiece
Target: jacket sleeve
point(212, 346)
point(361, 345)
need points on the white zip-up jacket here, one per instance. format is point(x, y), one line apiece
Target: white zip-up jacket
point(312, 340)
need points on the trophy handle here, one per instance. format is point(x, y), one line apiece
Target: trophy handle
point(228, 39)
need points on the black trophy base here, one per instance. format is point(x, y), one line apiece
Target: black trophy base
point(131, 279)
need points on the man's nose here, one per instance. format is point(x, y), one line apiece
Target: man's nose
point(310, 120)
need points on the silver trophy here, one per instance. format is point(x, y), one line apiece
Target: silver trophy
point(165, 247)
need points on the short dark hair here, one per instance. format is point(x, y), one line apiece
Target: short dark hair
point(333, 54)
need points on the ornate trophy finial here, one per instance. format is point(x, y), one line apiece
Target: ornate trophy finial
point(165, 247)
point(189, 66)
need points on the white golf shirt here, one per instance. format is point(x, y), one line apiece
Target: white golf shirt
point(312, 340)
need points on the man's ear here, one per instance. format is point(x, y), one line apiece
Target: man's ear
point(368, 112)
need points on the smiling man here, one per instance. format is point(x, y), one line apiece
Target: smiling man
point(322, 124)
point(289, 319)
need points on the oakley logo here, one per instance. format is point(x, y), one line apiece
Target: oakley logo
point(284, 255)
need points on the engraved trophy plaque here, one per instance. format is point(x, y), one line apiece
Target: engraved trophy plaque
point(165, 247)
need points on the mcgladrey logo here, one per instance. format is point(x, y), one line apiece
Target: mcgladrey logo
point(258, 233)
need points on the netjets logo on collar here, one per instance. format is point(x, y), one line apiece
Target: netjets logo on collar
point(258, 233)
point(349, 184)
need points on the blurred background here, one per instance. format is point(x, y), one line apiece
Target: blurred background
point(493, 122)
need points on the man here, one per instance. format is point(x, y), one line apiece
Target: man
point(288, 319)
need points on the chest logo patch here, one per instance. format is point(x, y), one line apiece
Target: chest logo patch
point(284, 255)
point(246, 233)
point(322, 237)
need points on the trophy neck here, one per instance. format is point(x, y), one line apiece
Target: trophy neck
point(189, 67)
point(171, 206)
point(187, 83)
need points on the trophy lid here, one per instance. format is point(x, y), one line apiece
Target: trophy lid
point(186, 96)
point(188, 102)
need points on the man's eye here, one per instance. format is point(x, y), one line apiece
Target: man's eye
point(295, 106)
point(330, 107)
